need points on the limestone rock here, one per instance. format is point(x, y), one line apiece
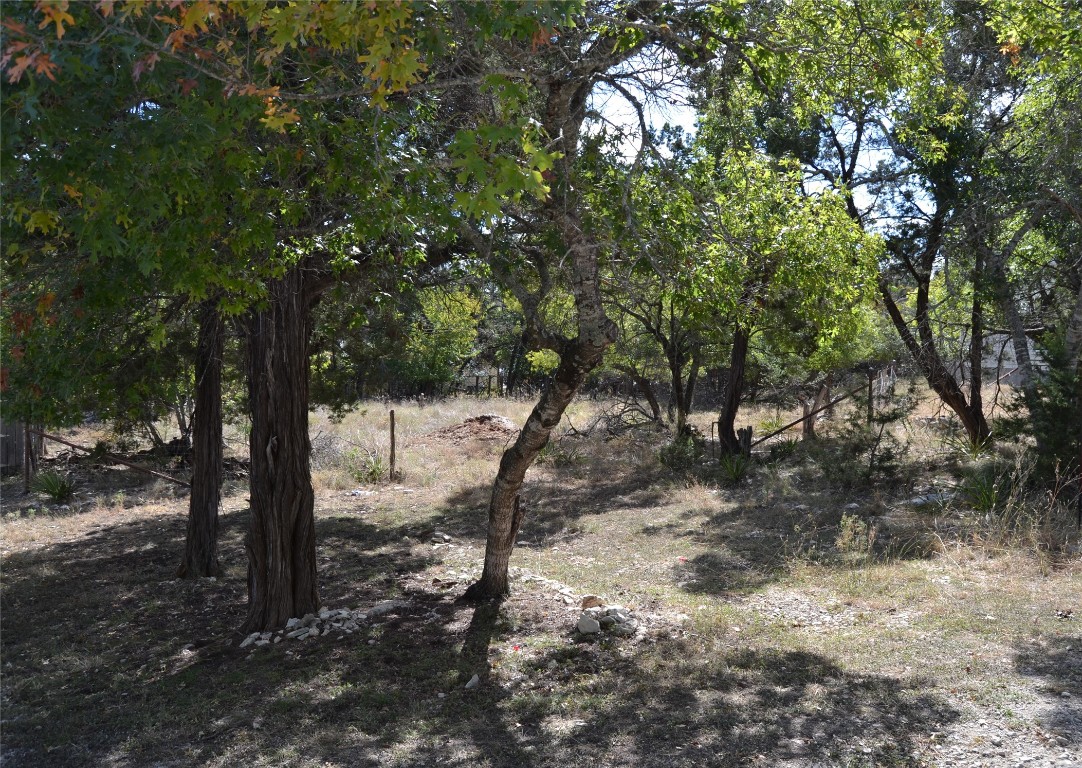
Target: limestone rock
point(588, 625)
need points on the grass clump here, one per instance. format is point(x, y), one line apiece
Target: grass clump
point(855, 536)
point(368, 467)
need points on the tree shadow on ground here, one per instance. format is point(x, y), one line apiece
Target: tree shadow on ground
point(1057, 661)
point(109, 660)
point(98, 631)
point(556, 504)
point(752, 540)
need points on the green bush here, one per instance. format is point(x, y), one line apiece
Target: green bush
point(681, 454)
point(734, 466)
point(367, 467)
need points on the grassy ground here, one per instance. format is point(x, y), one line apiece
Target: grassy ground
point(802, 615)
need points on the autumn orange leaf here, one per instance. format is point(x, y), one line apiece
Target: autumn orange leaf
point(15, 26)
point(55, 12)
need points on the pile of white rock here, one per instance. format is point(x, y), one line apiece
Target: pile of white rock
point(612, 619)
point(327, 620)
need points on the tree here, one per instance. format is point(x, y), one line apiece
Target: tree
point(280, 220)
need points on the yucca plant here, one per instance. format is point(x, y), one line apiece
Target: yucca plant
point(57, 486)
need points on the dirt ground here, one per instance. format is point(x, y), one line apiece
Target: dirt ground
point(781, 620)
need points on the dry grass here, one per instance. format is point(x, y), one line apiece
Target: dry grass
point(773, 636)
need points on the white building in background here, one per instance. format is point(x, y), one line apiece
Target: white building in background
point(1001, 364)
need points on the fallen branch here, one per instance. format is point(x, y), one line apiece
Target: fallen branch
point(113, 457)
point(808, 415)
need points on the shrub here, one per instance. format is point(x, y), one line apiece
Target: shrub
point(734, 466)
point(681, 454)
point(855, 536)
point(367, 467)
point(58, 487)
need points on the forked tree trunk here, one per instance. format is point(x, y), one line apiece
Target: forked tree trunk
point(281, 543)
point(505, 513)
point(734, 388)
point(201, 545)
point(645, 387)
point(935, 372)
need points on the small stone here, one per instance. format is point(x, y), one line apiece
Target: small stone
point(588, 625)
point(298, 633)
point(852, 505)
point(278, 639)
point(1066, 694)
point(325, 614)
point(262, 642)
point(372, 641)
point(293, 623)
point(265, 635)
point(592, 601)
point(313, 631)
point(473, 683)
point(386, 607)
point(441, 695)
point(309, 619)
point(249, 640)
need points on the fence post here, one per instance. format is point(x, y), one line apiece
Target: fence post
point(27, 451)
point(871, 395)
point(392, 445)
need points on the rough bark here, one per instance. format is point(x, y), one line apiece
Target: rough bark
point(734, 389)
point(281, 542)
point(201, 545)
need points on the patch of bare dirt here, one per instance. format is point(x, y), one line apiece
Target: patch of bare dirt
point(487, 426)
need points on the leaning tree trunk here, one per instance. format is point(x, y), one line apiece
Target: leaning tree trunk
point(505, 513)
point(281, 543)
point(733, 391)
point(201, 547)
point(935, 372)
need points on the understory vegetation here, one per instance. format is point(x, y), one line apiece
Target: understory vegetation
point(607, 382)
point(794, 614)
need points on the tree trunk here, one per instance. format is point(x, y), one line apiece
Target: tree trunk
point(678, 413)
point(505, 513)
point(201, 547)
point(692, 380)
point(645, 387)
point(976, 339)
point(281, 543)
point(734, 388)
point(935, 372)
point(1073, 335)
